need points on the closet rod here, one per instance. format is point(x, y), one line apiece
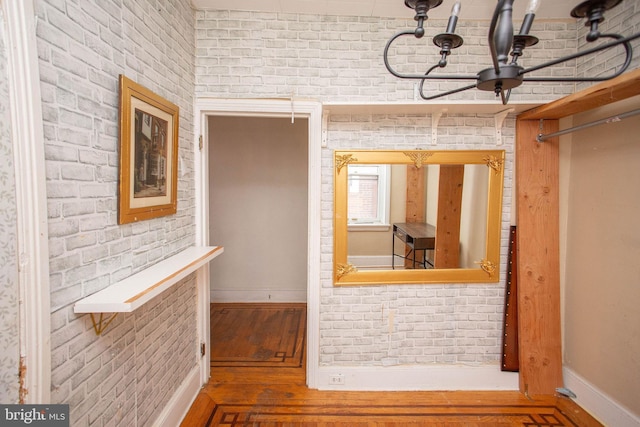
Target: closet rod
point(612, 119)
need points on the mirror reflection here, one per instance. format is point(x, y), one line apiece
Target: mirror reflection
point(417, 216)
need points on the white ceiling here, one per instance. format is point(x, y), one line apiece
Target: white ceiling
point(471, 9)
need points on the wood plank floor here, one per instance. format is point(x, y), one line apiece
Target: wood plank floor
point(277, 396)
point(257, 335)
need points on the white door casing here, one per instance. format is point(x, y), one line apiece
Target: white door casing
point(31, 201)
point(311, 110)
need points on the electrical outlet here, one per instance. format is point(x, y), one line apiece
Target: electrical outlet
point(336, 379)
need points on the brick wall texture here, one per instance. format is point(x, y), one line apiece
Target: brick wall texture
point(127, 375)
point(339, 59)
point(449, 324)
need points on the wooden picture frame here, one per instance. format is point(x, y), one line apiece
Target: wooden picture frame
point(148, 177)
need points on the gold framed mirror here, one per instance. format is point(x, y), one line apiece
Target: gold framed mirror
point(417, 216)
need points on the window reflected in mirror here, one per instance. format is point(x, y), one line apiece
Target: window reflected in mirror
point(369, 188)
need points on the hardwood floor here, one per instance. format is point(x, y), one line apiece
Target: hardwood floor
point(257, 335)
point(277, 396)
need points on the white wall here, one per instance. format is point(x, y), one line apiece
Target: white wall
point(127, 375)
point(258, 171)
point(410, 324)
point(601, 296)
point(335, 58)
point(9, 337)
point(599, 176)
point(339, 58)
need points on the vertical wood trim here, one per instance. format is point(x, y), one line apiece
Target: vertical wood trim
point(416, 209)
point(447, 253)
point(539, 328)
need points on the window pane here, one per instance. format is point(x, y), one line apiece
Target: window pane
point(363, 198)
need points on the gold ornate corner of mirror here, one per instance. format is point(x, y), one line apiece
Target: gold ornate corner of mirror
point(344, 160)
point(418, 157)
point(494, 163)
point(488, 267)
point(344, 269)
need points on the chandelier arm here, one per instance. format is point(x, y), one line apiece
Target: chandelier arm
point(386, 52)
point(620, 40)
point(505, 98)
point(431, 69)
point(417, 76)
point(451, 92)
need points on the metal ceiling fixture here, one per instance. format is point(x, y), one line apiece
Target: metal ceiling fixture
point(506, 74)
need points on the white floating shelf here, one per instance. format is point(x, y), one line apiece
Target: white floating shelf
point(132, 292)
point(429, 107)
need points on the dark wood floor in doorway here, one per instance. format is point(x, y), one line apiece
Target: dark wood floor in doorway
point(257, 335)
point(258, 395)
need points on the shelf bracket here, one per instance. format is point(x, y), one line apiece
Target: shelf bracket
point(101, 325)
point(435, 119)
point(499, 119)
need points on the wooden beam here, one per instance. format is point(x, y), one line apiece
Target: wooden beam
point(447, 253)
point(539, 323)
point(510, 357)
point(622, 87)
point(416, 204)
point(416, 208)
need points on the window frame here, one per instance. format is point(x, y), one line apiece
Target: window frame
point(384, 201)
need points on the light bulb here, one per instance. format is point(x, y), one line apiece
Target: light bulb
point(453, 19)
point(533, 6)
point(455, 10)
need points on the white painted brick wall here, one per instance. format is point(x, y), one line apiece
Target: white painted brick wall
point(126, 376)
point(410, 324)
point(339, 58)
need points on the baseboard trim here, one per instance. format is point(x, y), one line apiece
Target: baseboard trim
point(250, 295)
point(597, 403)
point(417, 378)
point(370, 261)
point(181, 401)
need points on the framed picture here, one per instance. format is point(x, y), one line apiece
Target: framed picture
point(148, 154)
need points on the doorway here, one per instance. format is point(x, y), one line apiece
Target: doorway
point(258, 194)
point(310, 111)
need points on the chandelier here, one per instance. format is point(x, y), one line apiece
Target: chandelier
point(506, 48)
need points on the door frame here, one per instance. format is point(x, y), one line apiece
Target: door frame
point(32, 254)
point(310, 110)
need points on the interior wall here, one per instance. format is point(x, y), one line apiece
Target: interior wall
point(9, 339)
point(411, 325)
point(130, 373)
point(258, 208)
point(602, 272)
